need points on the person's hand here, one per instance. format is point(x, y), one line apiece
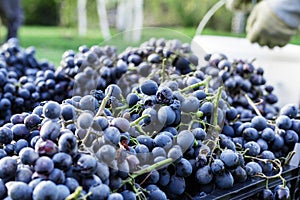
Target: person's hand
point(240, 5)
point(265, 28)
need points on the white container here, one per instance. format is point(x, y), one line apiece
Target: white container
point(281, 65)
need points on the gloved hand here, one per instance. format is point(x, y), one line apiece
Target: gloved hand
point(240, 5)
point(266, 28)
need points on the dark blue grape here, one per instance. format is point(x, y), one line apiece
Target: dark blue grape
point(176, 185)
point(162, 140)
point(6, 135)
point(175, 153)
point(281, 192)
point(253, 148)
point(259, 123)
point(127, 194)
point(63, 192)
point(277, 143)
point(115, 196)
point(183, 168)
point(90, 181)
point(185, 139)
point(207, 108)
point(52, 110)
point(239, 174)
point(5, 104)
point(121, 123)
point(88, 102)
point(45, 190)
point(20, 131)
point(112, 135)
point(217, 166)
point(291, 137)
point(68, 112)
point(86, 165)
point(190, 104)
point(164, 177)
point(263, 144)
point(268, 134)
point(99, 192)
point(8, 168)
point(100, 123)
point(267, 194)
point(149, 87)
point(71, 183)
point(44, 165)
point(132, 99)
point(106, 153)
point(228, 131)
point(20, 144)
point(166, 115)
point(199, 133)
point(146, 140)
point(231, 113)
point(224, 180)
point(267, 155)
point(62, 161)
point(32, 121)
point(85, 120)
point(19, 190)
point(204, 175)
point(9, 149)
point(164, 95)
point(229, 158)
point(253, 168)
point(24, 174)
point(157, 194)
point(57, 176)
point(283, 122)
point(289, 110)
point(67, 143)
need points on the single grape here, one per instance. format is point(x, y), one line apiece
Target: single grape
point(52, 110)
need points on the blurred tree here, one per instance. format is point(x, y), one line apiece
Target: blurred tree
point(41, 12)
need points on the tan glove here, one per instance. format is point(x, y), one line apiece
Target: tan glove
point(265, 28)
point(240, 5)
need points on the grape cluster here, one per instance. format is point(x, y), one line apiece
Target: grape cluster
point(148, 123)
point(91, 68)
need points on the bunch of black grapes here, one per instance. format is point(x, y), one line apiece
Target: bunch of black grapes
point(243, 81)
point(92, 68)
point(148, 123)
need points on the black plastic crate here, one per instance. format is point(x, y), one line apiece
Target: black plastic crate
point(249, 189)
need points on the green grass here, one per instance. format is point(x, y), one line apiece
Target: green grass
point(51, 42)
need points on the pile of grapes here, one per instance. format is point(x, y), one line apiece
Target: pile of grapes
point(146, 123)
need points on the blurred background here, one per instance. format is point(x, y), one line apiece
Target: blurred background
point(54, 26)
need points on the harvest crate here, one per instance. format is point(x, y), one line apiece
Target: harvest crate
point(249, 189)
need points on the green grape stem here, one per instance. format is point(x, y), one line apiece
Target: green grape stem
point(252, 104)
point(147, 170)
point(104, 102)
point(99, 113)
point(76, 194)
point(276, 162)
point(214, 131)
point(163, 72)
point(137, 121)
point(197, 85)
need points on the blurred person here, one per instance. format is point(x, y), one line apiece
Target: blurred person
point(271, 22)
point(11, 15)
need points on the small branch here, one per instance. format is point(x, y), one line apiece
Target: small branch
point(253, 105)
point(197, 85)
